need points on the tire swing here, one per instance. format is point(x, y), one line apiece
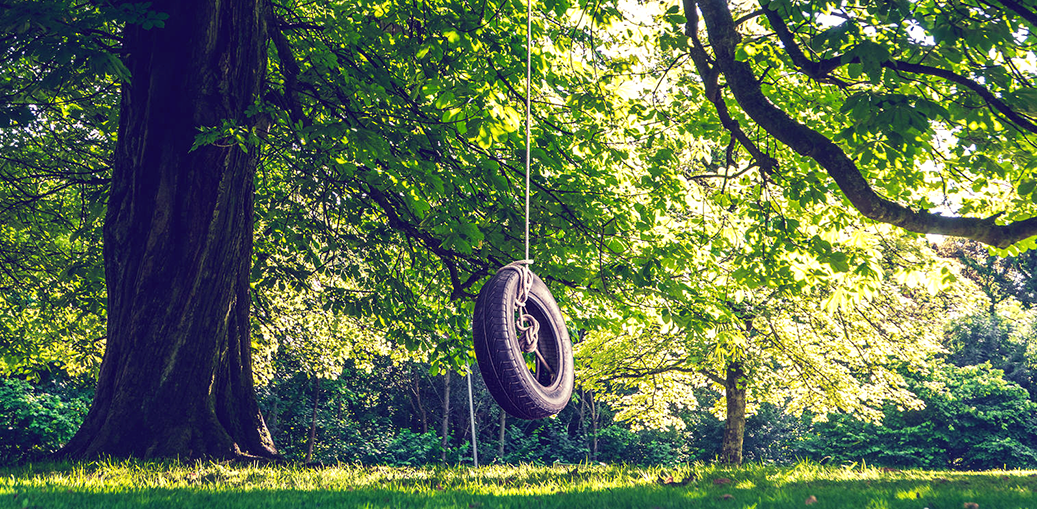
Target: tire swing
point(522, 344)
point(521, 340)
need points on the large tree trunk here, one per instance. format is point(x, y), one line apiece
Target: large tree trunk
point(176, 379)
point(734, 429)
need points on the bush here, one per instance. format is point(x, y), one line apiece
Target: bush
point(542, 442)
point(405, 449)
point(973, 419)
point(617, 444)
point(35, 422)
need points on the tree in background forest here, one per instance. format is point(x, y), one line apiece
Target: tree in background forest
point(815, 350)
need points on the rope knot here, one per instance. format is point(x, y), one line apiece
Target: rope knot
point(526, 324)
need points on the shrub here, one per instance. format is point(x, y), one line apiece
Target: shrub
point(973, 419)
point(404, 449)
point(34, 422)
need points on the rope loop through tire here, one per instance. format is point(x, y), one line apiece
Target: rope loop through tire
point(522, 343)
point(526, 323)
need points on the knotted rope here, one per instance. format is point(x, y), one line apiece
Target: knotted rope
point(528, 326)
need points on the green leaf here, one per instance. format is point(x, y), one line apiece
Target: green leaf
point(1027, 187)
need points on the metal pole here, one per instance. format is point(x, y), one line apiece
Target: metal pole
point(471, 416)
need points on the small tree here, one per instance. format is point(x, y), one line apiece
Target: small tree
point(825, 350)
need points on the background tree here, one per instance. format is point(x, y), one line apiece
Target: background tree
point(973, 419)
point(826, 349)
point(999, 277)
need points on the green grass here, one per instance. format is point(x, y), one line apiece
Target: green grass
point(116, 484)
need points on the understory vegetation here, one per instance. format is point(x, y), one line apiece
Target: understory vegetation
point(978, 414)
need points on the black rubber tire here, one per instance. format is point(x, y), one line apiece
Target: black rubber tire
point(518, 390)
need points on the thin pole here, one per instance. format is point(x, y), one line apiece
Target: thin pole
point(471, 416)
point(529, 107)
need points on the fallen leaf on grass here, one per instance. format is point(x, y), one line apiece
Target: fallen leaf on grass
point(726, 496)
point(971, 505)
point(719, 481)
point(668, 480)
point(473, 505)
point(810, 500)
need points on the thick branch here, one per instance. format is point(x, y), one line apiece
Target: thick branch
point(807, 142)
point(820, 71)
point(289, 67)
point(972, 85)
point(1028, 14)
point(710, 76)
point(431, 243)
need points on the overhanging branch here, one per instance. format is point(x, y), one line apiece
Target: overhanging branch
point(805, 141)
point(821, 71)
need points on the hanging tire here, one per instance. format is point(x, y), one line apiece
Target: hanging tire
point(525, 385)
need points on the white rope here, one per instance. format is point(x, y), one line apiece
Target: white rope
point(526, 324)
point(529, 107)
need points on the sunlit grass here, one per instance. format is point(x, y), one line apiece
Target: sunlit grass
point(121, 483)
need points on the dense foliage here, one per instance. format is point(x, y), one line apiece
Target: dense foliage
point(697, 193)
point(973, 419)
point(38, 419)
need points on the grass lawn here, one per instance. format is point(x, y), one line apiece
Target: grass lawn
point(131, 484)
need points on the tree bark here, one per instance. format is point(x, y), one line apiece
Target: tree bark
point(446, 415)
point(501, 435)
point(313, 420)
point(594, 425)
point(415, 401)
point(176, 378)
point(734, 428)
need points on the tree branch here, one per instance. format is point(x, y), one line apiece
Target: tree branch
point(805, 141)
point(710, 76)
point(980, 90)
point(820, 71)
point(1028, 14)
point(289, 67)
